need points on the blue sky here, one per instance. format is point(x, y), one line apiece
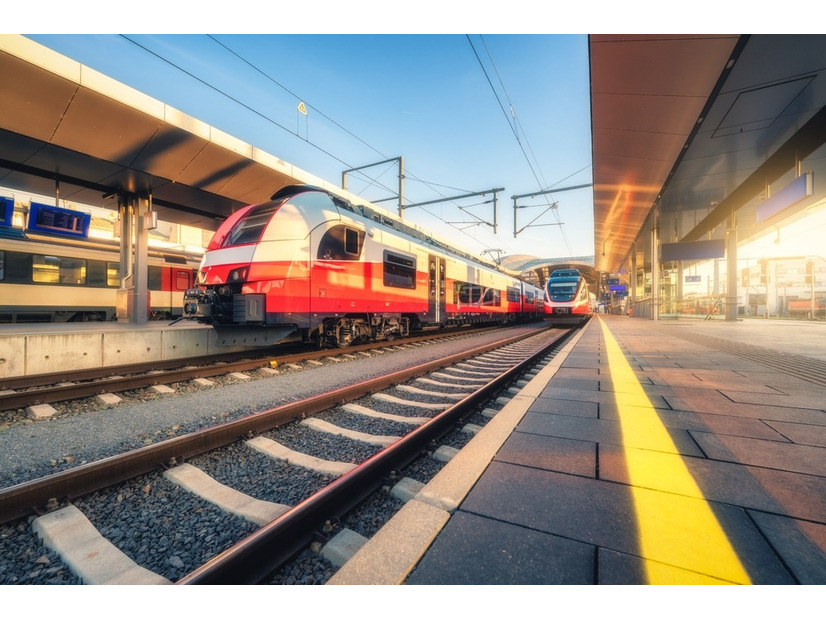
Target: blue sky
point(467, 113)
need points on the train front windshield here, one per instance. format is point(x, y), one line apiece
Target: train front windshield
point(250, 227)
point(563, 289)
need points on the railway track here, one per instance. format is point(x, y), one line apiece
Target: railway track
point(23, 392)
point(332, 452)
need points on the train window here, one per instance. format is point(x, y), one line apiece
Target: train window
point(470, 294)
point(250, 227)
point(58, 270)
point(171, 258)
point(563, 287)
point(154, 278)
point(399, 271)
point(352, 243)
point(183, 280)
point(492, 298)
point(340, 243)
point(112, 274)
point(529, 297)
point(513, 294)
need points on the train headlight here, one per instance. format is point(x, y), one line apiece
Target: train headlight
point(238, 275)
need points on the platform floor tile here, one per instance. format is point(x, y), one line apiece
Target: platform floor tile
point(496, 553)
point(774, 454)
point(800, 543)
point(569, 456)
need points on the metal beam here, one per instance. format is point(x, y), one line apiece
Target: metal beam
point(550, 206)
point(494, 191)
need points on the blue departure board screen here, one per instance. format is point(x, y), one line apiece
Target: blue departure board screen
point(6, 211)
point(57, 221)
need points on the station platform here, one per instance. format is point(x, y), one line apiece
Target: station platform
point(668, 452)
point(40, 348)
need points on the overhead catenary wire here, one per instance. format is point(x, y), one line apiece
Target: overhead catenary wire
point(371, 181)
point(513, 126)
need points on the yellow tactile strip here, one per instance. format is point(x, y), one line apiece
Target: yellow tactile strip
point(679, 528)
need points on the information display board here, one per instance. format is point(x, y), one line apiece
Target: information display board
point(6, 211)
point(58, 221)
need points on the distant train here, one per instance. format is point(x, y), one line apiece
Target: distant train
point(51, 279)
point(308, 265)
point(567, 298)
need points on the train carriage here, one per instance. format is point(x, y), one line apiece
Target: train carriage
point(51, 279)
point(567, 298)
point(309, 265)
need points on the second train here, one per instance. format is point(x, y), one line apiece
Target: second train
point(568, 300)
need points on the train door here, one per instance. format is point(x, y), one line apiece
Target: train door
point(437, 296)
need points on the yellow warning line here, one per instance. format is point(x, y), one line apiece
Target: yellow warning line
point(681, 540)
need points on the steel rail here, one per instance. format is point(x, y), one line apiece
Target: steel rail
point(254, 558)
point(33, 496)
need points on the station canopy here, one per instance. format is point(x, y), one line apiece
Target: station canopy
point(698, 127)
point(69, 129)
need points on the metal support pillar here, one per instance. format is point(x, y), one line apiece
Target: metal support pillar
point(125, 307)
point(145, 223)
point(634, 278)
point(731, 269)
point(136, 220)
point(655, 273)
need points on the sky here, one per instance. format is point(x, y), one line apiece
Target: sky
point(467, 113)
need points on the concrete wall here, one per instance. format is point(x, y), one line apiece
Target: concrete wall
point(62, 349)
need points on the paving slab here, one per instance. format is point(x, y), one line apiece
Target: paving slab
point(569, 456)
point(776, 455)
point(496, 553)
point(565, 407)
point(806, 434)
point(802, 545)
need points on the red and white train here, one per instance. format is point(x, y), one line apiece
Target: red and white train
point(309, 265)
point(567, 298)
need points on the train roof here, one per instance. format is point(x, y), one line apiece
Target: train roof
point(565, 273)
